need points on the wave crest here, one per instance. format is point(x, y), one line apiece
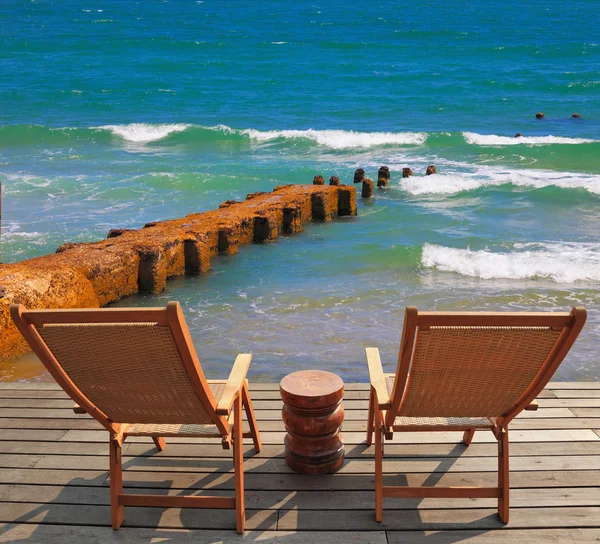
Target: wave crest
point(144, 132)
point(493, 140)
point(341, 139)
point(560, 262)
point(535, 179)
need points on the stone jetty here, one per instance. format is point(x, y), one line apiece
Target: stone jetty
point(91, 275)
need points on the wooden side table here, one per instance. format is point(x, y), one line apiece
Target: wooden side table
point(313, 414)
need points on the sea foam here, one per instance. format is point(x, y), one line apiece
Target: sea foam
point(494, 140)
point(561, 262)
point(490, 177)
point(341, 139)
point(144, 132)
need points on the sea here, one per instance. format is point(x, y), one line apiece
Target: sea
point(116, 113)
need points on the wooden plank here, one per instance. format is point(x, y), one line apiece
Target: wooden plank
point(320, 500)
point(306, 500)
point(573, 385)
point(200, 451)
point(305, 520)
point(27, 434)
point(81, 422)
point(177, 518)
point(351, 438)
point(18, 460)
point(295, 482)
point(33, 533)
point(32, 394)
point(577, 394)
point(569, 403)
point(41, 413)
point(279, 466)
point(476, 518)
point(359, 451)
point(59, 448)
point(586, 412)
point(519, 536)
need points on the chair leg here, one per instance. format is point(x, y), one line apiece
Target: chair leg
point(251, 418)
point(159, 442)
point(117, 511)
point(238, 462)
point(378, 470)
point(468, 436)
point(503, 476)
point(370, 419)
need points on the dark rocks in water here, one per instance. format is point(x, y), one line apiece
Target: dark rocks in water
point(359, 175)
point(518, 135)
point(318, 180)
point(430, 170)
point(334, 180)
point(384, 172)
point(227, 203)
point(576, 115)
point(406, 172)
point(367, 188)
point(539, 115)
point(382, 182)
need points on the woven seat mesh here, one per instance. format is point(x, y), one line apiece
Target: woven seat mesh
point(131, 371)
point(478, 422)
point(473, 371)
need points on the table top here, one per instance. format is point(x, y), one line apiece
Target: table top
point(316, 387)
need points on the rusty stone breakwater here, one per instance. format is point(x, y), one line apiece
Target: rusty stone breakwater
point(90, 275)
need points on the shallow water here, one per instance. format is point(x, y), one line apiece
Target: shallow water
point(123, 113)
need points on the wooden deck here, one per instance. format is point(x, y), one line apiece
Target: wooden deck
point(54, 479)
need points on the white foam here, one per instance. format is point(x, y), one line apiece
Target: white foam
point(144, 132)
point(341, 139)
point(494, 140)
point(486, 176)
point(441, 184)
point(559, 261)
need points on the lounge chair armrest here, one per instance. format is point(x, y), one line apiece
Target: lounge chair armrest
point(234, 384)
point(377, 378)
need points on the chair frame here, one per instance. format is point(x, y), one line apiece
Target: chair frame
point(235, 399)
point(384, 408)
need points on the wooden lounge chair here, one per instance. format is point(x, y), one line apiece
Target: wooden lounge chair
point(465, 372)
point(137, 373)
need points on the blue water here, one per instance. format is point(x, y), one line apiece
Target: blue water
point(113, 114)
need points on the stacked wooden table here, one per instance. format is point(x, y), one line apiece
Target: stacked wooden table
point(313, 414)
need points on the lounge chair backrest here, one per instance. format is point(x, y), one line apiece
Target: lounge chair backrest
point(134, 366)
point(478, 365)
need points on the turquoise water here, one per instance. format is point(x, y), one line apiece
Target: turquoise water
point(114, 114)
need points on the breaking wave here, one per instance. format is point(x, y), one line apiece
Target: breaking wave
point(144, 132)
point(560, 262)
point(535, 179)
point(493, 140)
point(341, 139)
